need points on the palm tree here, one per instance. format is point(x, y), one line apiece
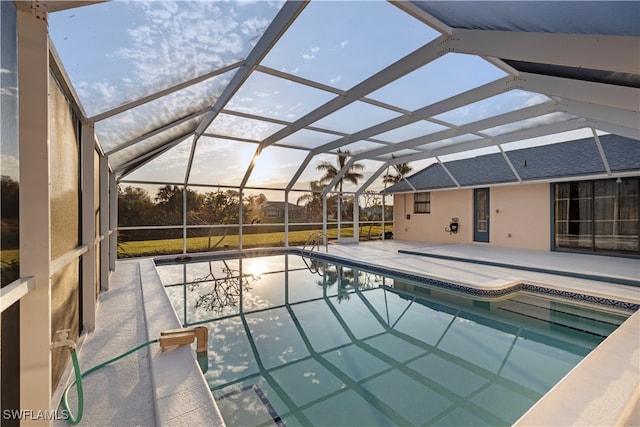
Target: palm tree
point(402, 170)
point(352, 175)
point(331, 171)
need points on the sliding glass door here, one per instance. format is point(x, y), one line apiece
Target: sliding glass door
point(598, 216)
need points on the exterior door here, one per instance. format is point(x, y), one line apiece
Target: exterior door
point(481, 215)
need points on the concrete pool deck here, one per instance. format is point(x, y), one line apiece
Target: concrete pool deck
point(154, 388)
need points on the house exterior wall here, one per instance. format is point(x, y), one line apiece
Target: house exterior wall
point(431, 227)
point(519, 217)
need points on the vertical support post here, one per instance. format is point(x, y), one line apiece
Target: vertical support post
point(105, 212)
point(356, 217)
point(35, 211)
point(324, 218)
point(184, 219)
point(88, 283)
point(339, 216)
point(113, 221)
point(240, 224)
point(384, 214)
point(286, 218)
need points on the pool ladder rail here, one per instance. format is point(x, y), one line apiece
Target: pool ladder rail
point(315, 240)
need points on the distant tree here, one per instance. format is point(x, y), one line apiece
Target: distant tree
point(10, 230)
point(135, 207)
point(217, 208)
point(10, 198)
point(252, 207)
point(401, 170)
point(312, 202)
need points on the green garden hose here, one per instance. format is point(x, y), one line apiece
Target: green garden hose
point(78, 380)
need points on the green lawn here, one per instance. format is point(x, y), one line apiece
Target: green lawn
point(200, 244)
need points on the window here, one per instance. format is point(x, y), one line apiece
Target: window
point(600, 216)
point(422, 203)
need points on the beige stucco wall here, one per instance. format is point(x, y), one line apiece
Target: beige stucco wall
point(431, 227)
point(519, 217)
point(523, 213)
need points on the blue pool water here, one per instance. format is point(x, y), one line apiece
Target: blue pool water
point(299, 342)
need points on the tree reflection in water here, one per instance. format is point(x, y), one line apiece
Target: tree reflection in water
point(345, 277)
point(224, 290)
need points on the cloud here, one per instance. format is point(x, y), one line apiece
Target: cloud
point(9, 91)
point(312, 53)
point(5, 71)
point(10, 166)
point(344, 43)
point(172, 41)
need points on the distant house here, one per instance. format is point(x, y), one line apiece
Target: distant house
point(577, 195)
point(275, 210)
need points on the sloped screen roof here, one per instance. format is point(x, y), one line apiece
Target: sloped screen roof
point(258, 93)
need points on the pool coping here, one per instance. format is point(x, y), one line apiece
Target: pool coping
point(189, 400)
point(574, 274)
point(588, 394)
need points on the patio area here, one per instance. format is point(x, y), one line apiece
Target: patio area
point(151, 387)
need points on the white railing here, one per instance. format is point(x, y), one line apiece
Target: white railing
point(12, 293)
point(17, 289)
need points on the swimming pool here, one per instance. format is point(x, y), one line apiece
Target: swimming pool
point(300, 342)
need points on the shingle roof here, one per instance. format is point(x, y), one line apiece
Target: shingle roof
point(555, 161)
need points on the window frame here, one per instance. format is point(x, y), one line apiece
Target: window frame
point(424, 204)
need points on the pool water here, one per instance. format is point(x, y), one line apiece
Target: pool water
point(300, 342)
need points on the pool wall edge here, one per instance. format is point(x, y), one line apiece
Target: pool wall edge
point(601, 390)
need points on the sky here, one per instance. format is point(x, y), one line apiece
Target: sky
point(119, 51)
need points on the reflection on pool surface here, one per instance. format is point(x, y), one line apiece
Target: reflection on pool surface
point(300, 342)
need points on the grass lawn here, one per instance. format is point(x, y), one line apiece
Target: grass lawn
point(200, 244)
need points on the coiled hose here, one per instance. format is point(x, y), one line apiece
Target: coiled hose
point(78, 381)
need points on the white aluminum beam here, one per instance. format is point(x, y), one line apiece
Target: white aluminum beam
point(88, 230)
point(521, 135)
point(474, 95)
point(371, 180)
point(418, 13)
point(499, 120)
point(615, 116)
point(592, 51)
point(156, 131)
point(104, 223)
point(299, 171)
point(129, 105)
point(285, 17)
point(535, 132)
point(35, 213)
point(448, 172)
point(615, 129)
point(338, 176)
point(603, 156)
point(510, 164)
point(405, 65)
point(400, 68)
point(149, 156)
point(113, 222)
point(620, 97)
